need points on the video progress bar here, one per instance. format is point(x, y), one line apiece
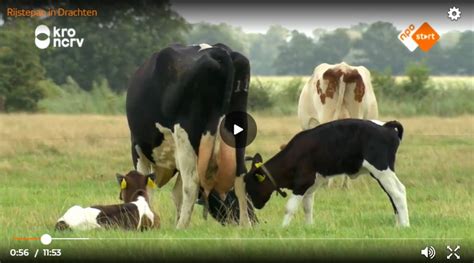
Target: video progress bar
point(46, 239)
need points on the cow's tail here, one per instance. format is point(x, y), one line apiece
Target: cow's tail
point(227, 66)
point(340, 98)
point(397, 126)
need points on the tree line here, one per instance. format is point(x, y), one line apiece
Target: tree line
point(376, 46)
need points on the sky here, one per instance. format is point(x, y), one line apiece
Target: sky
point(305, 17)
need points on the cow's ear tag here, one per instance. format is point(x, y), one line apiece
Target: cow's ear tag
point(258, 165)
point(150, 183)
point(260, 177)
point(123, 184)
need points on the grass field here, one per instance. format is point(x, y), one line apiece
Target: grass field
point(51, 162)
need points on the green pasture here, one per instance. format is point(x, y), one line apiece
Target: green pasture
point(50, 162)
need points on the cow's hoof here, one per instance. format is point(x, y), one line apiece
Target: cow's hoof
point(245, 224)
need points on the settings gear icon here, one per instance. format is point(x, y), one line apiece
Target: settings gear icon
point(454, 13)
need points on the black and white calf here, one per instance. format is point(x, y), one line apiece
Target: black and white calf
point(175, 104)
point(348, 146)
point(134, 213)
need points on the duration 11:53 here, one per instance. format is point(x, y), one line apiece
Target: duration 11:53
point(54, 252)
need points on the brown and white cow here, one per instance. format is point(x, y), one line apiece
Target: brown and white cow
point(334, 92)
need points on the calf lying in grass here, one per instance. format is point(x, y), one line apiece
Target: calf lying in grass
point(349, 146)
point(134, 213)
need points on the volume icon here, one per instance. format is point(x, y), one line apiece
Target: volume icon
point(429, 252)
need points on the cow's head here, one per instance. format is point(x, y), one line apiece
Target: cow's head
point(258, 186)
point(134, 184)
point(330, 83)
point(353, 76)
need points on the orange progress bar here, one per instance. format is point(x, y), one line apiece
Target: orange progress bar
point(26, 238)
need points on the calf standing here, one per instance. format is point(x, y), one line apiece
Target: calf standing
point(349, 146)
point(334, 92)
point(134, 213)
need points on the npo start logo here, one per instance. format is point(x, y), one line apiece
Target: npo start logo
point(424, 37)
point(61, 37)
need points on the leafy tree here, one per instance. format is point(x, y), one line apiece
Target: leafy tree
point(291, 92)
point(116, 42)
point(318, 33)
point(20, 68)
point(297, 56)
point(449, 39)
point(461, 56)
point(439, 60)
point(264, 49)
point(333, 47)
point(380, 48)
point(300, 55)
point(360, 27)
point(417, 84)
point(384, 84)
point(259, 96)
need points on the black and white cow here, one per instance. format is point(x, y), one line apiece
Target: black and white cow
point(348, 146)
point(175, 103)
point(133, 214)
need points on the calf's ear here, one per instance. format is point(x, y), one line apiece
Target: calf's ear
point(150, 180)
point(257, 161)
point(121, 181)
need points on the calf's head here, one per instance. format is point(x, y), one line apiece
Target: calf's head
point(257, 185)
point(134, 184)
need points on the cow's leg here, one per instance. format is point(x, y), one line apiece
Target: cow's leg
point(205, 209)
point(396, 192)
point(346, 182)
point(291, 208)
point(232, 169)
point(186, 161)
point(178, 195)
point(134, 154)
point(308, 122)
point(190, 193)
point(244, 219)
point(403, 217)
point(308, 200)
point(330, 182)
point(334, 181)
point(143, 164)
point(312, 123)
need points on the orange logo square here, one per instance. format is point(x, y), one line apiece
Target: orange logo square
point(425, 37)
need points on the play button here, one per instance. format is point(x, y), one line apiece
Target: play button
point(238, 129)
